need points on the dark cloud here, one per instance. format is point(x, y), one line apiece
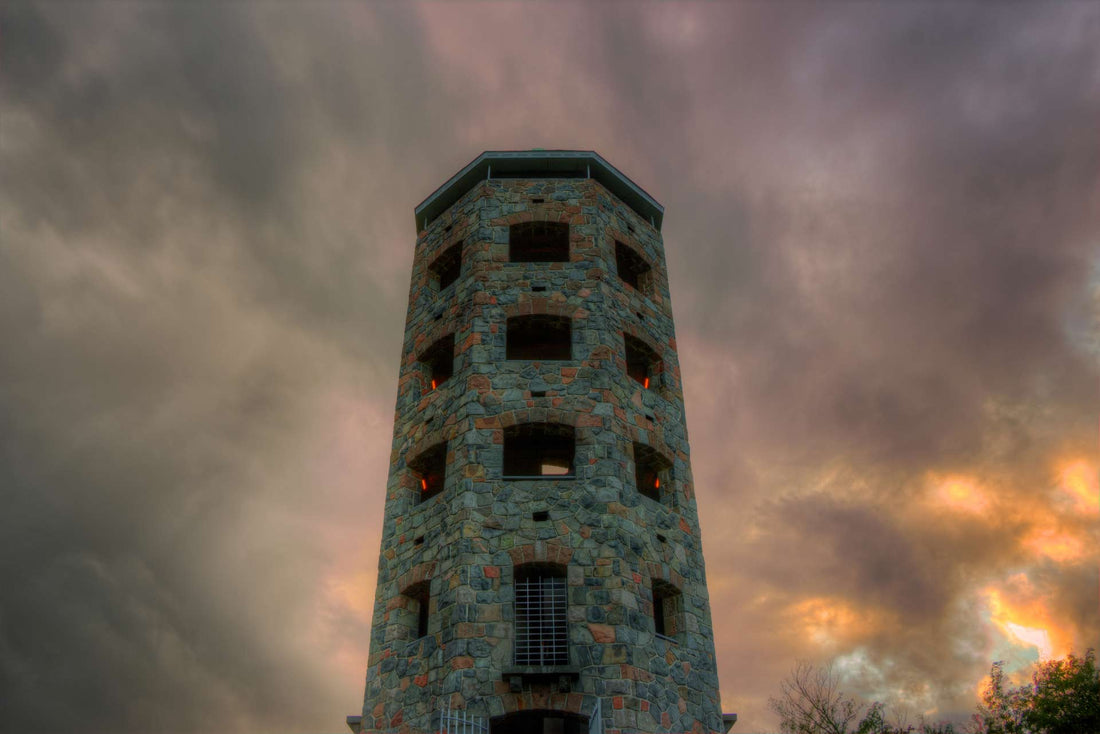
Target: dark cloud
point(880, 228)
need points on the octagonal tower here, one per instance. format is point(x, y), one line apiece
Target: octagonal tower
point(541, 567)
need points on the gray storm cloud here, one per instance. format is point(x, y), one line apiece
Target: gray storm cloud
point(882, 233)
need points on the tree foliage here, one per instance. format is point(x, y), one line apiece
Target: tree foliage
point(1062, 698)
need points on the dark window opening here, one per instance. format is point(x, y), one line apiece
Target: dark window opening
point(539, 450)
point(632, 267)
point(666, 609)
point(538, 242)
point(538, 393)
point(541, 615)
point(447, 267)
point(430, 470)
point(661, 538)
point(538, 288)
point(540, 516)
point(419, 600)
point(642, 363)
point(539, 337)
point(651, 473)
point(539, 722)
point(537, 201)
point(420, 540)
point(439, 359)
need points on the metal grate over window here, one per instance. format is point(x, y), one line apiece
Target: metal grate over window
point(541, 630)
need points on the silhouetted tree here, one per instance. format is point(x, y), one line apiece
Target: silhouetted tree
point(810, 702)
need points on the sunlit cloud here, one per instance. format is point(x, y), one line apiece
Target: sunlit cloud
point(1022, 616)
point(959, 493)
point(1078, 482)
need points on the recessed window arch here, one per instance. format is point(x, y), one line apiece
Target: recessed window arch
point(539, 451)
point(540, 722)
point(439, 361)
point(418, 600)
point(541, 615)
point(667, 609)
point(533, 242)
point(539, 337)
point(446, 268)
point(643, 364)
point(632, 267)
point(429, 467)
point(652, 472)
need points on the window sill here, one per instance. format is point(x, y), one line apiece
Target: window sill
point(536, 477)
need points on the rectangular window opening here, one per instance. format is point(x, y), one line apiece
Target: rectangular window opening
point(540, 516)
point(666, 609)
point(632, 267)
point(651, 474)
point(533, 242)
point(539, 338)
point(439, 361)
point(446, 268)
point(642, 363)
point(418, 598)
point(539, 451)
point(430, 471)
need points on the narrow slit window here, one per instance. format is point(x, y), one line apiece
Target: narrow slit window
point(632, 267)
point(666, 609)
point(539, 337)
point(439, 361)
point(418, 603)
point(535, 242)
point(642, 363)
point(539, 451)
point(651, 474)
point(541, 615)
point(446, 268)
point(430, 470)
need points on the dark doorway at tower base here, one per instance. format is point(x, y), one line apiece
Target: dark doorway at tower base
point(539, 722)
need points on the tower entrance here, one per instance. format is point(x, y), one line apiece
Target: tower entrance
point(539, 722)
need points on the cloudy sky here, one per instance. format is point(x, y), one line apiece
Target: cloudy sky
point(883, 233)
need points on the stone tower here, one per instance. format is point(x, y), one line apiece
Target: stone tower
point(541, 568)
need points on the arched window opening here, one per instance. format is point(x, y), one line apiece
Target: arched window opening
point(541, 606)
point(539, 451)
point(439, 361)
point(539, 722)
point(651, 474)
point(535, 242)
point(418, 605)
point(667, 610)
point(632, 267)
point(446, 268)
point(539, 337)
point(642, 363)
point(430, 470)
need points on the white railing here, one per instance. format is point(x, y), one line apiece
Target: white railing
point(459, 721)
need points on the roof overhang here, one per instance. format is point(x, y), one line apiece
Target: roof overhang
point(540, 164)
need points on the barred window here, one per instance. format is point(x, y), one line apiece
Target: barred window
point(541, 626)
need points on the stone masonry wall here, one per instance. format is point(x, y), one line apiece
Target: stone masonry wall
point(465, 541)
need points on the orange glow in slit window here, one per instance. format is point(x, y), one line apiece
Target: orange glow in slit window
point(433, 384)
point(646, 383)
point(657, 483)
point(424, 484)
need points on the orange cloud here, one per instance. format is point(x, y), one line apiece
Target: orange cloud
point(1077, 480)
point(958, 493)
